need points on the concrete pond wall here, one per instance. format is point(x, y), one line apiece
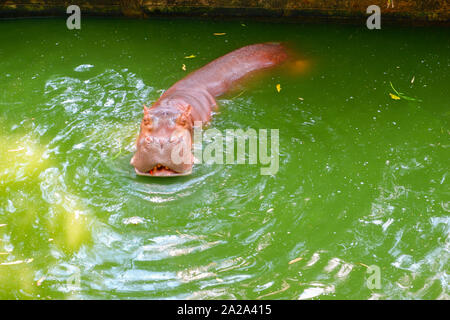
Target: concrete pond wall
point(396, 11)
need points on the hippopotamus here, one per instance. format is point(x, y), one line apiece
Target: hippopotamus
point(167, 126)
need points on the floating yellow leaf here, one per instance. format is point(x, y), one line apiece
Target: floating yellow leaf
point(183, 67)
point(295, 260)
point(219, 33)
point(401, 95)
point(278, 87)
point(393, 96)
point(190, 57)
point(363, 264)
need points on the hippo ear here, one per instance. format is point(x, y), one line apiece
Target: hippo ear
point(187, 110)
point(185, 116)
point(147, 118)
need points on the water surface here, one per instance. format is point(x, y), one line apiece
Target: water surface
point(363, 178)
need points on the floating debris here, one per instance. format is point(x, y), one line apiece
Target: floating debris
point(190, 57)
point(363, 264)
point(239, 94)
point(394, 97)
point(278, 87)
point(284, 287)
point(295, 260)
point(117, 155)
point(399, 95)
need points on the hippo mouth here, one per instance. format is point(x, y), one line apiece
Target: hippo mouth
point(162, 171)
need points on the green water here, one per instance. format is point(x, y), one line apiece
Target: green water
point(363, 178)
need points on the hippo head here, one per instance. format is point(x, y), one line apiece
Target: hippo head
point(164, 145)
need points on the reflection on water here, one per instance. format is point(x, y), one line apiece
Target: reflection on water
point(362, 179)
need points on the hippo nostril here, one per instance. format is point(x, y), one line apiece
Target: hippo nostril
point(162, 141)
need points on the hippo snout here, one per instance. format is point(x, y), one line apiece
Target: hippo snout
point(161, 156)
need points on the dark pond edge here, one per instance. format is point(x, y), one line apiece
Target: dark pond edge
point(342, 13)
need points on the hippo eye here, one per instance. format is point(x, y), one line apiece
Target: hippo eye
point(148, 121)
point(182, 121)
